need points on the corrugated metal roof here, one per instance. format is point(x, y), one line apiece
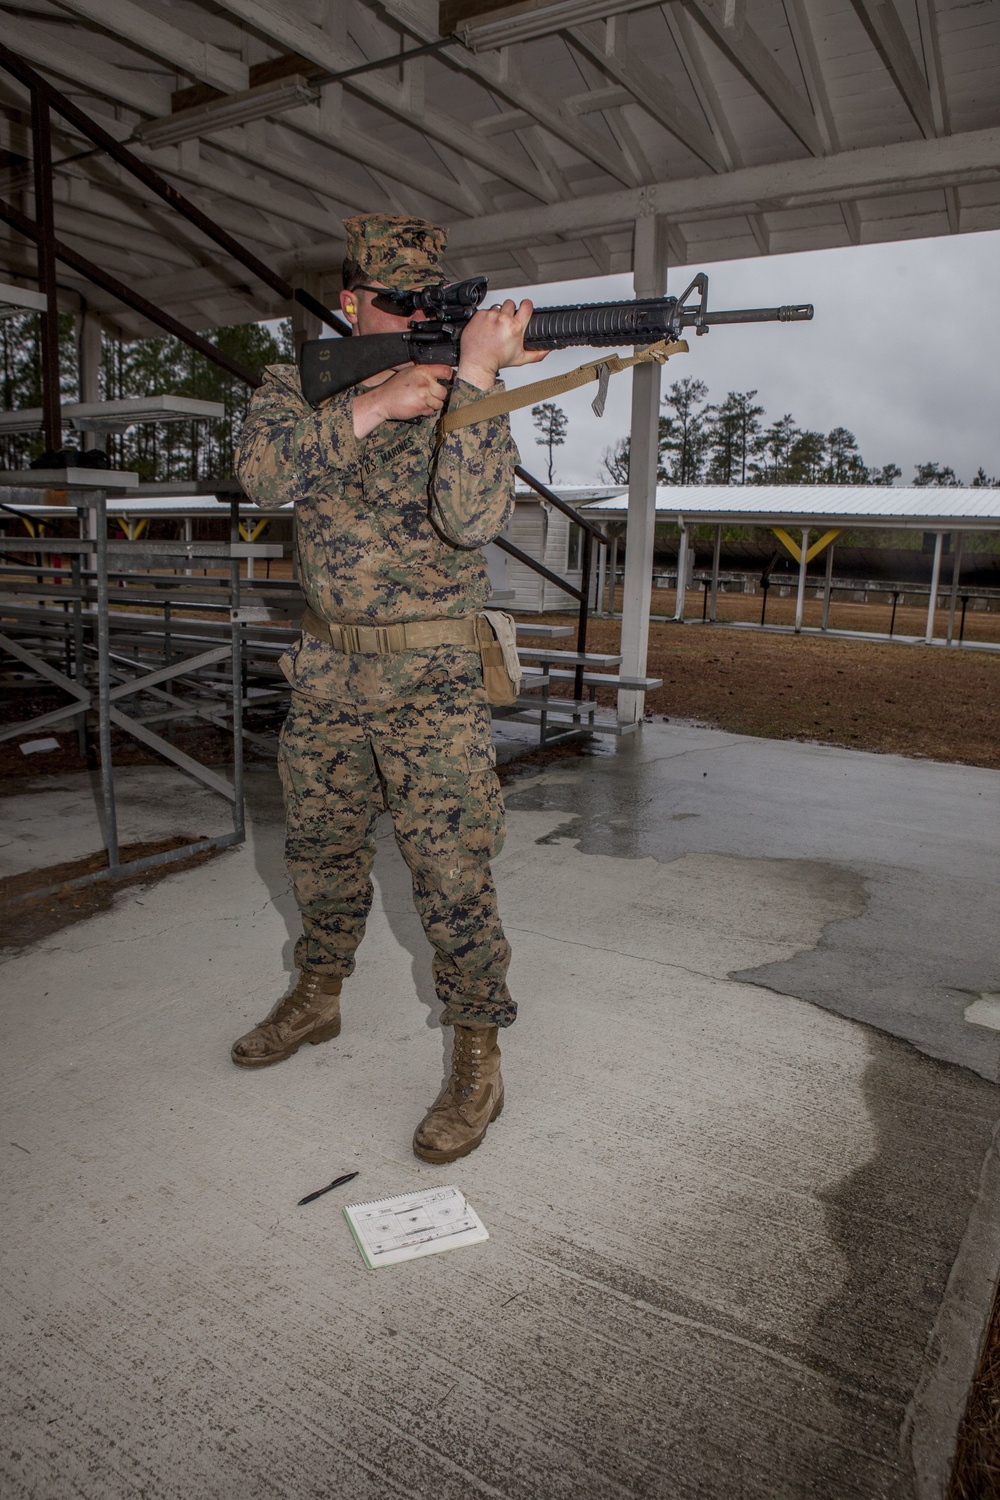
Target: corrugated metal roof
point(816, 504)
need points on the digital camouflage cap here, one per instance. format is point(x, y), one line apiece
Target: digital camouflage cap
point(396, 251)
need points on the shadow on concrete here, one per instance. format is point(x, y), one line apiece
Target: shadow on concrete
point(899, 1222)
point(265, 812)
point(394, 899)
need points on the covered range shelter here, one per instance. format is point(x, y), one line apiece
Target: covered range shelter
point(191, 168)
point(819, 514)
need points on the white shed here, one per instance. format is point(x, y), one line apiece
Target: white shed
point(543, 532)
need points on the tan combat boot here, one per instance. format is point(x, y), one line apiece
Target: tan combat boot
point(470, 1101)
point(311, 1013)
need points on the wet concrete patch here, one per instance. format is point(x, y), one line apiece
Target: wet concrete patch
point(923, 839)
point(909, 964)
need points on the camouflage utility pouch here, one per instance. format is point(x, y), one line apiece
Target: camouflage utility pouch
point(498, 650)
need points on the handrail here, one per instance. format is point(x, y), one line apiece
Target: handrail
point(591, 533)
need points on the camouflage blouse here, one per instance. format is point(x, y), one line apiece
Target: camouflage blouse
point(387, 530)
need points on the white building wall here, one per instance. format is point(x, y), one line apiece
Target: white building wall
point(542, 532)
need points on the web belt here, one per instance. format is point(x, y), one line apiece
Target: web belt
point(381, 640)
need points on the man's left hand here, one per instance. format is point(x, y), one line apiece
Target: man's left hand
point(493, 339)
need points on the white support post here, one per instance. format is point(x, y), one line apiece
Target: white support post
point(88, 350)
point(935, 582)
point(955, 570)
point(800, 597)
point(827, 588)
point(716, 556)
point(613, 570)
point(649, 264)
point(602, 562)
point(682, 572)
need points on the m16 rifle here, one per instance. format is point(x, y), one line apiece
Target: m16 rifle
point(329, 366)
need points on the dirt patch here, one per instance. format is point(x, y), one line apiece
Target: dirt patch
point(26, 918)
point(866, 695)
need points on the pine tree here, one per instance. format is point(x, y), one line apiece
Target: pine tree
point(807, 459)
point(845, 465)
point(776, 446)
point(935, 474)
point(683, 436)
point(734, 437)
point(551, 422)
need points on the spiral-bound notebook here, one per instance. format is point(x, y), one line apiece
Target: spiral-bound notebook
point(389, 1230)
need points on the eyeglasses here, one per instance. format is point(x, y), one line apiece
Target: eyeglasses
point(403, 304)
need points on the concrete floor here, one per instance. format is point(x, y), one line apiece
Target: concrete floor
point(742, 1200)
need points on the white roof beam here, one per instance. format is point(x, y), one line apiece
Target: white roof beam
point(927, 16)
point(246, 144)
point(507, 120)
point(725, 22)
point(100, 222)
point(800, 25)
point(500, 74)
point(254, 192)
point(887, 170)
point(604, 44)
point(317, 124)
point(284, 26)
point(147, 31)
point(222, 278)
point(804, 41)
point(629, 145)
point(361, 147)
point(242, 216)
point(57, 53)
point(880, 19)
point(691, 42)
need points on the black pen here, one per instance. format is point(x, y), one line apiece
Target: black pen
point(337, 1182)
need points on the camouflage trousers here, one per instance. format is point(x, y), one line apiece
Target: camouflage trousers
point(409, 732)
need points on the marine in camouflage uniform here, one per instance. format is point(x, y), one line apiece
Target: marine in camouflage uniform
point(389, 531)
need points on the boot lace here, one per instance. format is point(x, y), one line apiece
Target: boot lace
point(468, 1058)
point(304, 995)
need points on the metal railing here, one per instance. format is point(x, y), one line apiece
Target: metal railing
point(79, 638)
point(590, 534)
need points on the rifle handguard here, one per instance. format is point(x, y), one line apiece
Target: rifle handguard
point(329, 366)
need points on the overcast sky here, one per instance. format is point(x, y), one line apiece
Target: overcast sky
point(904, 351)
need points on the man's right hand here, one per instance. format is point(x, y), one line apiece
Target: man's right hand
point(413, 391)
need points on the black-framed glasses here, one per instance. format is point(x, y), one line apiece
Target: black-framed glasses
point(402, 303)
